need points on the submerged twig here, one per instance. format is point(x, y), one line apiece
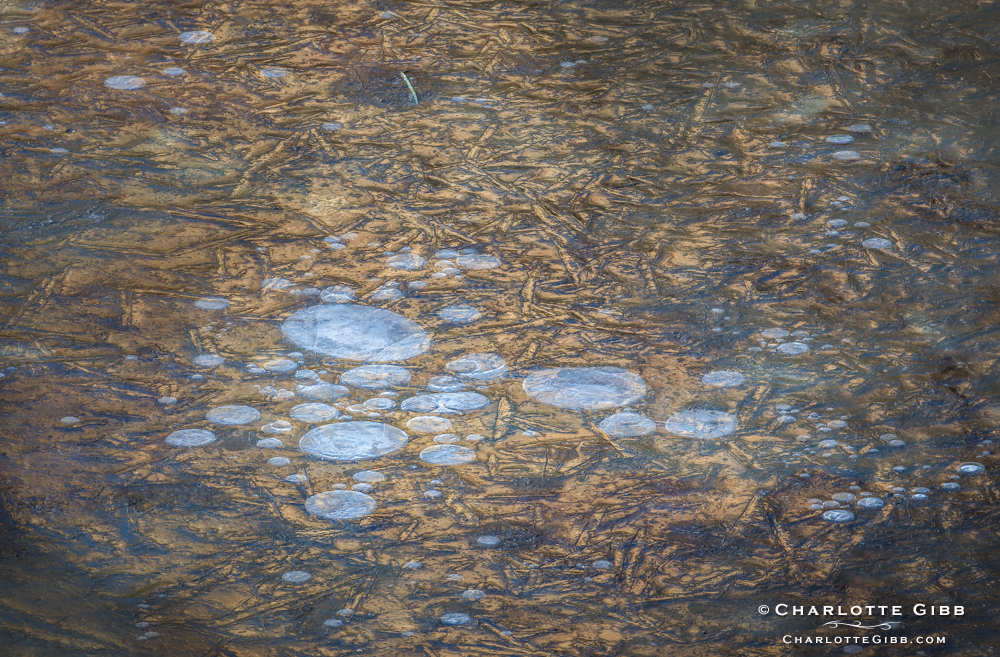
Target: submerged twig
point(409, 86)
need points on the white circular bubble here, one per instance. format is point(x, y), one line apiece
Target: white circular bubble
point(408, 261)
point(971, 468)
point(274, 72)
point(296, 576)
point(428, 424)
point(701, 423)
point(278, 461)
point(197, 36)
point(376, 376)
point(278, 426)
point(233, 415)
point(792, 348)
point(356, 332)
point(723, 379)
point(363, 487)
point(476, 261)
point(70, 419)
point(369, 476)
point(460, 314)
point(191, 438)
point(315, 413)
point(446, 438)
point(478, 367)
point(280, 365)
point(838, 515)
point(379, 404)
point(839, 139)
point(877, 244)
point(844, 498)
point(125, 82)
point(627, 425)
point(321, 392)
point(352, 441)
point(181, 111)
point(341, 505)
point(846, 156)
point(445, 383)
point(473, 595)
point(209, 360)
point(447, 455)
point(332, 126)
point(950, 486)
point(432, 494)
point(269, 443)
point(456, 619)
point(174, 71)
point(488, 541)
point(772, 333)
point(446, 403)
point(386, 294)
point(585, 388)
point(297, 479)
point(870, 503)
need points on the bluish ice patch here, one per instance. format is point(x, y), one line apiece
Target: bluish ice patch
point(180, 111)
point(844, 498)
point(331, 126)
point(459, 314)
point(356, 332)
point(839, 139)
point(456, 619)
point(352, 441)
point(274, 72)
point(379, 404)
point(846, 156)
point(772, 333)
point(212, 303)
point(446, 383)
point(341, 505)
point(278, 461)
point(838, 515)
point(860, 128)
point(428, 424)
point(209, 360)
point(191, 438)
point(446, 438)
point(376, 376)
point(196, 37)
point(174, 71)
point(297, 479)
point(321, 392)
point(125, 82)
point(877, 244)
point(280, 365)
point(362, 487)
point(369, 476)
point(474, 262)
point(627, 425)
point(386, 294)
point(446, 403)
point(701, 423)
point(337, 294)
point(478, 367)
point(488, 541)
point(971, 468)
point(233, 415)
point(269, 443)
point(447, 455)
point(314, 412)
point(473, 595)
point(70, 419)
point(792, 348)
point(585, 388)
point(408, 261)
point(296, 577)
point(278, 426)
point(723, 379)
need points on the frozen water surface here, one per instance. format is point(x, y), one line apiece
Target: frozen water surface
point(296, 576)
point(233, 415)
point(341, 505)
point(459, 314)
point(191, 438)
point(321, 392)
point(428, 424)
point(209, 360)
point(369, 476)
point(627, 425)
point(446, 383)
point(352, 441)
point(196, 37)
point(792, 348)
point(446, 403)
point(723, 379)
point(477, 262)
point(315, 412)
point(274, 72)
point(877, 244)
point(447, 455)
point(585, 388)
point(125, 82)
point(212, 303)
point(279, 365)
point(355, 332)
point(479, 367)
point(376, 376)
point(337, 294)
point(701, 423)
point(410, 261)
point(456, 619)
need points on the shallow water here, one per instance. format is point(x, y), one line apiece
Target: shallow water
point(781, 213)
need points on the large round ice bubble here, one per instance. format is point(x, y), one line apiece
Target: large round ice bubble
point(314, 413)
point(321, 392)
point(341, 505)
point(478, 367)
point(191, 438)
point(585, 388)
point(447, 455)
point(356, 332)
point(352, 441)
point(628, 425)
point(446, 403)
point(233, 415)
point(699, 423)
point(375, 376)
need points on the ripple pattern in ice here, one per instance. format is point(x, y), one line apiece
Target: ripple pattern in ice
point(585, 388)
point(356, 332)
point(700, 423)
point(352, 441)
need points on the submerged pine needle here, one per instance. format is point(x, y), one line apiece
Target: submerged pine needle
point(409, 86)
